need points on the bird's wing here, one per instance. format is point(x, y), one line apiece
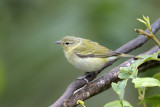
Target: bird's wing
point(93, 49)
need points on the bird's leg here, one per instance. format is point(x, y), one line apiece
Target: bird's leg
point(87, 74)
point(84, 77)
point(90, 74)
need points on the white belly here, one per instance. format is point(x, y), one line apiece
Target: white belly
point(87, 64)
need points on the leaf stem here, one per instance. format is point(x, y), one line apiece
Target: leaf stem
point(151, 36)
point(157, 41)
point(141, 97)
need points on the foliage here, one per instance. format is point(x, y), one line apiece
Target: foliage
point(118, 104)
point(119, 88)
point(157, 76)
point(153, 100)
point(130, 72)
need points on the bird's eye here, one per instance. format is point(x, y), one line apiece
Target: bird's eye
point(67, 43)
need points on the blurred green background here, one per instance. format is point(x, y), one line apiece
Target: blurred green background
point(34, 71)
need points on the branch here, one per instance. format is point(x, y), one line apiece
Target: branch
point(104, 82)
point(66, 98)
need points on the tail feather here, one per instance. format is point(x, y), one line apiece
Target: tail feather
point(127, 55)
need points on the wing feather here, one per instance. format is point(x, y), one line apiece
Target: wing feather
point(93, 49)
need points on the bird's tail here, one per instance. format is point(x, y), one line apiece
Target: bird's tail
point(127, 55)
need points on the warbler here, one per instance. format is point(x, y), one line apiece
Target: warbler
point(86, 55)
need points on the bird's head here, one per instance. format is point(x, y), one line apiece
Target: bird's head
point(68, 42)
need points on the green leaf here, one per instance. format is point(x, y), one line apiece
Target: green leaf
point(131, 72)
point(150, 57)
point(117, 104)
point(142, 21)
point(125, 72)
point(137, 62)
point(119, 88)
point(128, 72)
point(146, 82)
point(157, 76)
point(154, 100)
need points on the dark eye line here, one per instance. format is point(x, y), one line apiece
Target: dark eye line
point(67, 43)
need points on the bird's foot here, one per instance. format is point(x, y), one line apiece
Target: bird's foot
point(87, 74)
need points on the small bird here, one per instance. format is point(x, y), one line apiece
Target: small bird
point(86, 55)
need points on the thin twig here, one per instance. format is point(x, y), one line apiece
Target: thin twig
point(150, 35)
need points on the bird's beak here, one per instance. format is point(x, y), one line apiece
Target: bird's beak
point(57, 42)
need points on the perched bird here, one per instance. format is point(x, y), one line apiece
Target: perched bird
point(86, 55)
